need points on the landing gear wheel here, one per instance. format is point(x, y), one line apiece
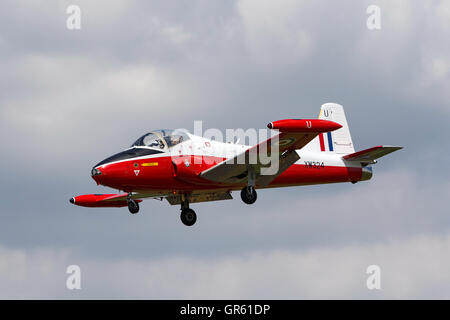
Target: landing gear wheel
point(248, 195)
point(133, 206)
point(188, 217)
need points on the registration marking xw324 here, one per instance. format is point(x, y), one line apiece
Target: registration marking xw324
point(314, 165)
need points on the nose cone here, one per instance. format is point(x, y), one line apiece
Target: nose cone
point(108, 174)
point(96, 174)
point(72, 200)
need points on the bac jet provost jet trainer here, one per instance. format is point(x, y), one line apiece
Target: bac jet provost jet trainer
point(177, 166)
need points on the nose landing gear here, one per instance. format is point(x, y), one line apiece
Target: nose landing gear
point(133, 206)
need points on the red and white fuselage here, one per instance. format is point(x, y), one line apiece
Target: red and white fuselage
point(174, 171)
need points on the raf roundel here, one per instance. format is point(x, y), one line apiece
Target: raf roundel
point(286, 142)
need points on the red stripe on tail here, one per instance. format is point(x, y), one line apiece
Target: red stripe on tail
point(322, 143)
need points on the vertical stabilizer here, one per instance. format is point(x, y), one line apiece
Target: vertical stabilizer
point(339, 141)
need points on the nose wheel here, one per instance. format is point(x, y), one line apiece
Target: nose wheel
point(133, 206)
point(248, 194)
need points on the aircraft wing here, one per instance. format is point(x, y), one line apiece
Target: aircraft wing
point(293, 134)
point(368, 156)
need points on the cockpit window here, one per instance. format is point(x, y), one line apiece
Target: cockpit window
point(174, 137)
point(161, 139)
point(149, 140)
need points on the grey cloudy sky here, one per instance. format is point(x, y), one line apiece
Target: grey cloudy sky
point(68, 99)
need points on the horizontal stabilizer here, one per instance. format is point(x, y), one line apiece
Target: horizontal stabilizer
point(371, 154)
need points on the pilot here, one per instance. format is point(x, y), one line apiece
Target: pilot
point(160, 143)
point(157, 143)
point(174, 140)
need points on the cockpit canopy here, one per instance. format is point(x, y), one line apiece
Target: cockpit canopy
point(161, 139)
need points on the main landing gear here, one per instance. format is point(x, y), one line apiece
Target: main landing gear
point(248, 193)
point(133, 206)
point(187, 216)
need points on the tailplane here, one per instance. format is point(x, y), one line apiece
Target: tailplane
point(369, 156)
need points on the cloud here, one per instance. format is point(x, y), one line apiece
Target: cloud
point(68, 93)
point(413, 267)
point(394, 205)
point(442, 11)
point(174, 33)
point(273, 31)
point(69, 99)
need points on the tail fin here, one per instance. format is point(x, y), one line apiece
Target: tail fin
point(339, 141)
